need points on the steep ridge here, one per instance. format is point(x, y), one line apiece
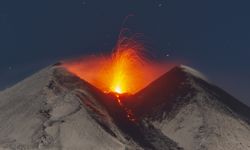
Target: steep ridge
point(193, 112)
point(45, 111)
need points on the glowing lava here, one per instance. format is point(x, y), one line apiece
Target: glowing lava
point(126, 70)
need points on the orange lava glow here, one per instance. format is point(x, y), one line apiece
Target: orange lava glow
point(126, 70)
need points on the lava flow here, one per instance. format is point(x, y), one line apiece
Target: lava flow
point(129, 112)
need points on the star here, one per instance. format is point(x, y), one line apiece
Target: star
point(84, 2)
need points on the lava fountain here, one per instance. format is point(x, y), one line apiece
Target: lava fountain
point(126, 70)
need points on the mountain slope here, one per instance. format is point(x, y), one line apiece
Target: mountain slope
point(54, 109)
point(41, 112)
point(194, 113)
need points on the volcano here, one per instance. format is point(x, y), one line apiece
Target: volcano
point(55, 109)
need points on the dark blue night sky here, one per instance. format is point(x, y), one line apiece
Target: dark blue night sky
point(212, 36)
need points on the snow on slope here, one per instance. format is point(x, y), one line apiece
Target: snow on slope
point(193, 72)
point(55, 110)
point(194, 113)
point(40, 113)
point(206, 124)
